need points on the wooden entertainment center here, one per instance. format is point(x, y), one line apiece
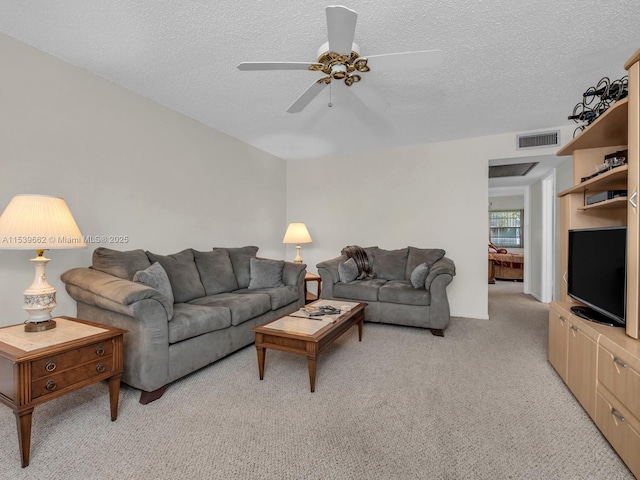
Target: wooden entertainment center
point(601, 364)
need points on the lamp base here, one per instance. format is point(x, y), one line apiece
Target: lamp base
point(39, 326)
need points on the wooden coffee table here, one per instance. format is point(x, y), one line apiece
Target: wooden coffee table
point(306, 336)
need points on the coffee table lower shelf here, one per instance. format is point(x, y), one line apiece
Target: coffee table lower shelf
point(309, 345)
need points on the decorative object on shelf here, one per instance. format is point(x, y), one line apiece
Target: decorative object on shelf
point(608, 92)
point(297, 233)
point(39, 222)
point(611, 161)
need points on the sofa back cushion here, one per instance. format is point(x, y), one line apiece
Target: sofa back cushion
point(418, 256)
point(120, 264)
point(183, 274)
point(240, 258)
point(216, 271)
point(390, 264)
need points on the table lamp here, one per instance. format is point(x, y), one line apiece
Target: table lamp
point(297, 233)
point(39, 222)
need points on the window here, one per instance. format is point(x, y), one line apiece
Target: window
point(506, 228)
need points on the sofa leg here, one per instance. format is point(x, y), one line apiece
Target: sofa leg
point(438, 332)
point(148, 397)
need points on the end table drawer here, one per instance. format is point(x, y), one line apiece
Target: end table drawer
point(64, 361)
point(58, 381)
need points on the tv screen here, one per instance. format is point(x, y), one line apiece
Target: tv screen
point(597, 273)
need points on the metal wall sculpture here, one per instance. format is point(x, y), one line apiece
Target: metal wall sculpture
point(596, 100)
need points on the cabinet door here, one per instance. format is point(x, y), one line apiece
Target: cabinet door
point(633, 230)
point(581, 368)
point(558, 336)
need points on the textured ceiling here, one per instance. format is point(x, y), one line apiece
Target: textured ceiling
point(510, 66)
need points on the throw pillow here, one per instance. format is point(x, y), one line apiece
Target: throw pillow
point(419, 275)
point(156, 277)
point(348, 271)
point(119, 264)
point(216, 271)
point(183, 274)
point(265, 273)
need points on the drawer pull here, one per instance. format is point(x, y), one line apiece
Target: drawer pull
point(573, 327)
point(616, 414)
point(100, 351)
point(51, 385)
point(562, 318)
point(100, 368)
point(619, 362)
point(50, 366)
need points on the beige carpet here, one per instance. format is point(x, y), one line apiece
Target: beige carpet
point(480, 403)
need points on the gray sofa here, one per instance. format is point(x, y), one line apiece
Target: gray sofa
point(409, 287)
point(182, 311)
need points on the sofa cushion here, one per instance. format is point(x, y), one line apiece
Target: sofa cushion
point(216, 271)
point(119, 264)
point(240, 257)
point(365, 290)
point(280, 296)
point(265, 273)
point(154, 276)
point(390, 264)
point(243, 307)
point(183, 274)
point(401, 291)
point(422, 255)
point(192, 320)
point(419, 275)
point(348, 271)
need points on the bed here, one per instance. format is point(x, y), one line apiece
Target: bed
point(506, 266)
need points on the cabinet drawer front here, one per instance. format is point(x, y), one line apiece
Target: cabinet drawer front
point(615, 373)
point(620, 429)
point(64, 361)
point(59, 381)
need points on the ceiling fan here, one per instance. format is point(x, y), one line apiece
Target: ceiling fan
point(339, 59)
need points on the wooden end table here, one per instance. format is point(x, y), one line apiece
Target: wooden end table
point(312, 277)
point(36, 367)
point(305, 336)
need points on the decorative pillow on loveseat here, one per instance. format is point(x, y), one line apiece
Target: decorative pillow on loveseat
point(156, 277)
point(418, 256)
point(348, 271)
point(419, 275)
point(183, 274)
point(265, 273)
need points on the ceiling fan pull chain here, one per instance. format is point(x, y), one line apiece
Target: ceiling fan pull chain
point(330, 104)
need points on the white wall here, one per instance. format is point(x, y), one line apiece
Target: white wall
point(125, 166)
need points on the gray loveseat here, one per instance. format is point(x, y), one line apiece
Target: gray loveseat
point(409, 287)
point(202, 307)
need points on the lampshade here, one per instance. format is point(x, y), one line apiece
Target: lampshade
point(39, 222)
point(297, 233)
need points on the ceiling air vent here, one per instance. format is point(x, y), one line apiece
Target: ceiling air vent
point(538, 140)
point(511, 170)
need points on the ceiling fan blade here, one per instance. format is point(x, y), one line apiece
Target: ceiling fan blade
point(405, 60)
point(341, 27)
point(276, 65)
point(304, 100)
point(370, 96)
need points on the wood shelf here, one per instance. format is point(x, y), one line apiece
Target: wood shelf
point(607, 130)
point(618, 202)
point(605, 181)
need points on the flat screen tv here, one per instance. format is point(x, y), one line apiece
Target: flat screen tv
point(597, 274)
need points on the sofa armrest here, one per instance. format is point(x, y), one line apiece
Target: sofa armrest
point(110, 293)
point(293, 275)
point(328, 271)
point(444, 266)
